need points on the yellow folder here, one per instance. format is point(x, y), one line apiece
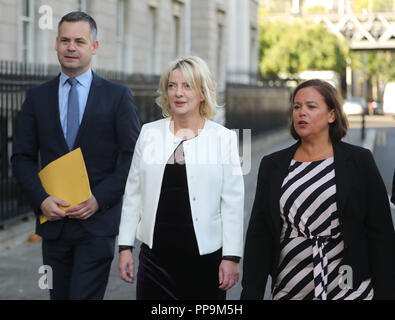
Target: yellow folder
point(67, 179)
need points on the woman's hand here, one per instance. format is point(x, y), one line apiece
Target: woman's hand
point(126, 266)
point(228, 274)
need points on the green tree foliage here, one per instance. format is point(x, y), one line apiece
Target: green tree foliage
point(293, 47)
point(372, 5)
point(380, 64)
point(276, 6)
point(317, 9)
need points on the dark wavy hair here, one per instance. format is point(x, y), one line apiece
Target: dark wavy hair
point(337, 129)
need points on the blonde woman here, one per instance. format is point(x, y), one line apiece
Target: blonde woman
point(184, 195)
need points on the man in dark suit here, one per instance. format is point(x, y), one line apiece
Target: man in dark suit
point(77, 109)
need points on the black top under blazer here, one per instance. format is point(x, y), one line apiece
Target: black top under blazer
point(107, 135)
point(364, 214)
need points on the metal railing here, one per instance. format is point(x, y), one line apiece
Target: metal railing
point(257, 104)
point(15, 79)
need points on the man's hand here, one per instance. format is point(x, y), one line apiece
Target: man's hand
point(50, 208)
point(126, 266)
point(228, 274)
point(84, 210)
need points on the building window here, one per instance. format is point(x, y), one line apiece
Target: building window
point(178, 9)
point(82, 5)
point(253, 55)
point(152, 40)
point(220, 42)
point(27, 28)
point(120, 34)
point(176, 34)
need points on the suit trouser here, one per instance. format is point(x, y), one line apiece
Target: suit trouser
point(80, 263)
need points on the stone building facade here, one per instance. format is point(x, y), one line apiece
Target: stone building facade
point(140, 36)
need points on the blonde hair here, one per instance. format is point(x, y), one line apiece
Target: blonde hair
point(197, 75)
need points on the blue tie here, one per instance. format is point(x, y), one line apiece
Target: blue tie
point(73, 111)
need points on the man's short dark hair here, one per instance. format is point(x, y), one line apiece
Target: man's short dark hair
point(77, 16)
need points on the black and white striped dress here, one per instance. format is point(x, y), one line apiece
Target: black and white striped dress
point(311, 241)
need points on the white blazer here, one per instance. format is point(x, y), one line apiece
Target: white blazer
point(215, 184)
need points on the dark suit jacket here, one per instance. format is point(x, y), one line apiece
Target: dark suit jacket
point(107, 136)
point(364, 215)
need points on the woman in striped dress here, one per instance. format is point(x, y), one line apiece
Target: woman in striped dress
point(321, 224)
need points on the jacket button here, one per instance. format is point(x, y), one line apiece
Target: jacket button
point(194, 198)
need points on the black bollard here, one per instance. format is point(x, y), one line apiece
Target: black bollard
point(363, 127)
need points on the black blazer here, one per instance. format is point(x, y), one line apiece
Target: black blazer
point(107, 136)
point(364, 214)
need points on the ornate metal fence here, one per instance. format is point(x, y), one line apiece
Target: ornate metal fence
point(259, 105)
point(15, 79)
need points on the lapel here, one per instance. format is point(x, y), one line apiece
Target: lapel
point(170, 142)
point(53, 110)
point(281, 162)
point(93, 100)
point(343, 173)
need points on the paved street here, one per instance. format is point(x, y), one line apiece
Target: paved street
point(19, 263)
point(384, 147)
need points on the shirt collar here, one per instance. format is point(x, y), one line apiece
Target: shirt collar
point(84, 79)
